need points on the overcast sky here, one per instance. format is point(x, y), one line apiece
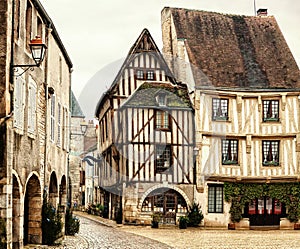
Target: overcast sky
point(97, 32)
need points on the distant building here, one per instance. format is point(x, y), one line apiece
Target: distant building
point(34, 121)
point(246, 97)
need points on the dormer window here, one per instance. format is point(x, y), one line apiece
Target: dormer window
point(219, 109)
point(150, 75)
point(271, 110)
point(140, 74)
point(161, 99)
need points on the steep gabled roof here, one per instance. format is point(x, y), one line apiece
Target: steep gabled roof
point(75, 107)
point(144, 43)
point(236, 51)
point(146, 96)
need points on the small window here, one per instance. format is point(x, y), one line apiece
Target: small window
point(215, 198)
point(229, 151)
point(150, 75)
point(271, 110)
point(162, 120)
point(163, 159)
point(32, 96)
point(270, 153)
point(219, 109)
point(161, 99)
point(140, 74)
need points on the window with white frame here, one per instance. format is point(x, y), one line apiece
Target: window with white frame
point(140, 74)
point(150, 75)
point(52, 118)
point(19, 102)
point(271, 110)
point(270, 152)
point(229, 151)
point(219, 109)
point(161, 99)
point(59, 124)
point(163, 158)
point(215, 198)
point(32, 96)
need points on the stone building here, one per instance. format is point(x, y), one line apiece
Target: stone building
point(34, 112)
point(146, 140)
point(246, 98)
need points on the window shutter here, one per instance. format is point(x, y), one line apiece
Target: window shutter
point(32, 94)
point(59, 124)
point(19, 102)
point(52, 118)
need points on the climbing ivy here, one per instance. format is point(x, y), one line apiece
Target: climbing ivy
point(239, 194)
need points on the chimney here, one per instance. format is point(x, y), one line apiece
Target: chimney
point(262, 12)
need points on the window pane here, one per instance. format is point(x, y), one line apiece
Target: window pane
point(220, 109)
point(215, 199)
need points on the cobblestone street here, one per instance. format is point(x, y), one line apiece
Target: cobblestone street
point(101, 233)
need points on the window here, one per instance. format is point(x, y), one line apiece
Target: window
point(32, 107)
point(162, 120)
point(163, 159)
point(271, 110)
point(140, 74)
point(19, 102)
point(215, 198)
point(145, 75)
point(161, 99)
point(52, 118)
point(150, 75)
point(59, 124)
point(229, 151)
point(220, 109)
point(28, 23)
point(270, 153)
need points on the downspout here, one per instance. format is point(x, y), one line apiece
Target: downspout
point(11, 76)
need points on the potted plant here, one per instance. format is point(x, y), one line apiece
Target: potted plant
point(183, 222)
point(155, 219)
point(194, 215)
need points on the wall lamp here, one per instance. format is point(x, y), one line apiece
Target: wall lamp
point(37, 48)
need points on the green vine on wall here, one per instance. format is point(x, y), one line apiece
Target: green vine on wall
point(239, 194)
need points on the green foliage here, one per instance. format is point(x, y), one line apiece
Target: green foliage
point(2, 233)
point(183, 222)
point(72, 223)
point(239, 194)
point(51, 224)
point(194, 215)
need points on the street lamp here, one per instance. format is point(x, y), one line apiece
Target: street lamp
point(37, 48)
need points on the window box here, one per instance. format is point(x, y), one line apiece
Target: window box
point(220, 118)
point(271, 163)
point(230, 162)
point(275, 119)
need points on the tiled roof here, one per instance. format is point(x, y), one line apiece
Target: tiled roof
point(236, 51)
point(75, 107)
point(146, 96)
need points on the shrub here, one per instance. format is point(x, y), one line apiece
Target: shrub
point(51, 224)
point(72, 223)
point(194, 215)
point(183, 222)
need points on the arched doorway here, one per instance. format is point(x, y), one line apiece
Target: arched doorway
point(33, 212)
point(166, 201)
point(17, 215)
point(63, 191)
point(53, 190)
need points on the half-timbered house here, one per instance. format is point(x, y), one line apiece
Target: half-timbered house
point(246, 102)
point(146, 139)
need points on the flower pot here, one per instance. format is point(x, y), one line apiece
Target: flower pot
point(154, 224)
point(297, 226)
point(231, 226)
point(183, 225)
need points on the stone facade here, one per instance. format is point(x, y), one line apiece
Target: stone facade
point(34, 121)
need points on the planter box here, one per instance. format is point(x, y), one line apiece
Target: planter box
point(231, 226)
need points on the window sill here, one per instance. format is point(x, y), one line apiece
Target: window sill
point(230, 163)
point(222, 119)
point(271, 120)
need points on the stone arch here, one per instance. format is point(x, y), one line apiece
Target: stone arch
point(63, 191)
point(17, 212)
point(163, 186)
point(53, 189)
point(33, 211)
